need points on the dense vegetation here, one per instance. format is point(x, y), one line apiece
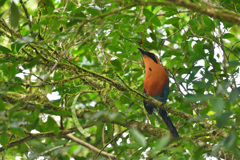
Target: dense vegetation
point(72, 78)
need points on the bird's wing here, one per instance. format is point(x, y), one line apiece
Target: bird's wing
point(165, 92)
point(148, 108)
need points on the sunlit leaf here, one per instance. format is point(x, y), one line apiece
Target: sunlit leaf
point(218, 106)
point(173, 21)
point(117, 64)
point(75, 119)
point(52, 125)
point(161, 143)
point(93, 11)
point(4, 139)
point(208, 23)
point(235, 94)
point(2, 3)
point(227, 35)
point(223, 119)
point(15, 15)
point(151, 17)
point(138, 137)
point(5, 49)
point(17, 130)
point(230, 140)
point(198, 97)
point(198, 48)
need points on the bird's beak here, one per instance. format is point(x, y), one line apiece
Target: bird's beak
point(142, 51)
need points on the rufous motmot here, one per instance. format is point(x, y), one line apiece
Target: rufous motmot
point(156, 84)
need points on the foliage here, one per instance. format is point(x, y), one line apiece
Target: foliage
point(72, 79)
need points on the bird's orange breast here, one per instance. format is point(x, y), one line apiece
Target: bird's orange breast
point(156, 77)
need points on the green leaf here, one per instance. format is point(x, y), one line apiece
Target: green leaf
point(198, 97)
point(156, 9)
point(194, 24)
point(234, 95)
point(223, 119)
point(5, 49)
point(147, 44)
point(238, 8)
point(79, 17)
point(4, 68)
point(49, 5)
point(75, 119)
point(151, 17)
point(234, 63)
point(198, 48)
point(93, 11)
point(115, 48)
point(17, 130)
point(173, 9)
point(138, 137)
point(153, 36)
point(227, 36)
point(13, 70)
point(32, 63)
point(173, 21)
point(117, 64)
point(52, 125)
point(125, 99)
point(19, 46)
point(70, 6)
point(230, 140)
point(78, 13)
point(2, 106)
point(208, 23)
point(137, 154)
point(218, 106)
point(161, 143)
point(1, 14)
point(4, 139)
point(2, 2)
point(170, 13)
point(14, 15)
point(193, 74)
point(169, 53)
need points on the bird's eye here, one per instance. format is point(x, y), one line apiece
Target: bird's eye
point(150, 69)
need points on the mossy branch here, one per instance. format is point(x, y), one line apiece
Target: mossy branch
point(50, 108)
point(203, 8)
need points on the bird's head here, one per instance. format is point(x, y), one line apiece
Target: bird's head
point(148, 56)
point(150, 60)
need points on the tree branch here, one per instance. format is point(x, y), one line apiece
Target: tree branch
point(38, 135)
point(89, 146)
point(221, 14)
point(105, 117)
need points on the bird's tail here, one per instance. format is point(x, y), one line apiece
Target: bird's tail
point(168, 123)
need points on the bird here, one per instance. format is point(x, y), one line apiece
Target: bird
point(156, 84)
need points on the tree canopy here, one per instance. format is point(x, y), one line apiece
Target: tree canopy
point(72, 79)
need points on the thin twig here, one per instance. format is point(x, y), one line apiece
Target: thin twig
point(27, 15)
point(116, 136)
point(55, 82)
point(164, 13)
